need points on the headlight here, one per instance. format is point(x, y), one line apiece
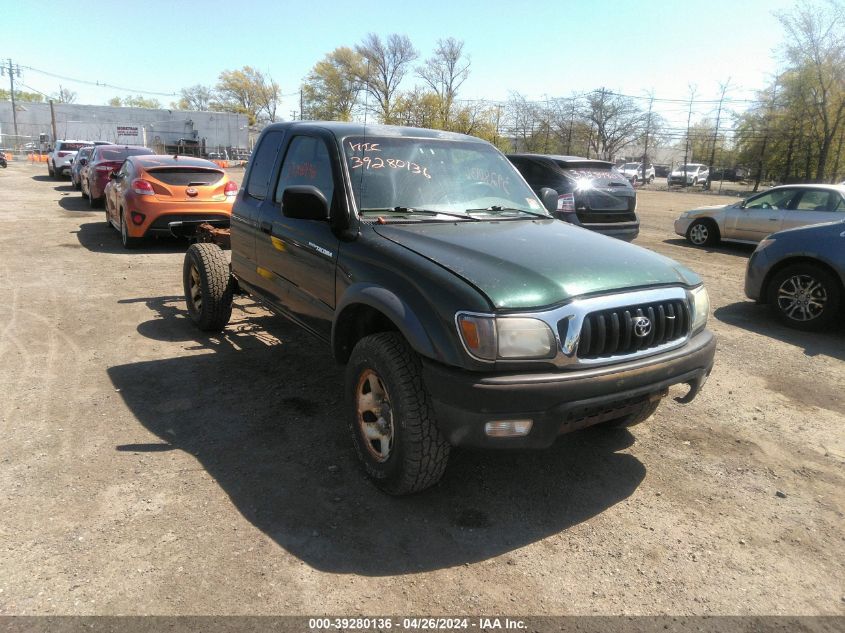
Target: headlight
point(700, 304)
point(506, 338)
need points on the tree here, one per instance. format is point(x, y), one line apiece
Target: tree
point(815, 46)
point(445, 72)
point(64, 95)
point(330, 91)
point(616, 122)
point(247, 91)
point(385, 66)
point(197, 97)
point(136, 101)
point(27, 97)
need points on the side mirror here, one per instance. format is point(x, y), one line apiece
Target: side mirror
point(304, 202)
point(549, 198)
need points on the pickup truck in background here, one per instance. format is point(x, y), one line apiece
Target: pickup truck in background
point(465, 314)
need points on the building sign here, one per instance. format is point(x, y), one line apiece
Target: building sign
point(127, 130)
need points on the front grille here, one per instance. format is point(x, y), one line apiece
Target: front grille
point(613, 332)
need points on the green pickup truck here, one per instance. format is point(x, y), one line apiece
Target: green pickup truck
point(464, 313)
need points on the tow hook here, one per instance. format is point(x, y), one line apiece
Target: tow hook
point(694, 387)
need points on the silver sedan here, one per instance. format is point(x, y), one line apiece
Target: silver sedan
point(754, 218)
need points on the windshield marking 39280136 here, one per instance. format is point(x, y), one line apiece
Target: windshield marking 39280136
point(407, 176)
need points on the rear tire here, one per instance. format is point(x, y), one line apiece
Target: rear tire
point(645, 411)
point(805, 297)
point(128, 242)
point(391, 417)
point(51, 170)
point(208, 286)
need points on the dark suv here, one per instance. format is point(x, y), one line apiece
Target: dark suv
point(466, 315)
point(590, 193)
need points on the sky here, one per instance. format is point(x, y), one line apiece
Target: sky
point(539, 48)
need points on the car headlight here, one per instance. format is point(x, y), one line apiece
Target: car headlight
point(700, 303)
point(506, 338)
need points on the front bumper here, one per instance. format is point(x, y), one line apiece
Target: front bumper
point(558, 402)
point(755, 275)
point(682, 225)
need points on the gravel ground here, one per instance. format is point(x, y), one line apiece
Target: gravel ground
point(149, 469)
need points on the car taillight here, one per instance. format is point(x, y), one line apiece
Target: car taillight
point(137, 218)
point(142, 187)
point(231, 188)
point(566, 203)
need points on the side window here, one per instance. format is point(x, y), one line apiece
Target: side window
point(817, 201)
point(263, 161)
point(771, 199)
point(307, 162)
point(838, 203)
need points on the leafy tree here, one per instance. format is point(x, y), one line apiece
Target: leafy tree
point(386, 63)
point(136, 101)
point(330, 91)
point(20, 95)
point(444, 73)
point(248, 91)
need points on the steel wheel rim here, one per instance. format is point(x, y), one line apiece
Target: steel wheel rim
point(374, 415)
point(698, 234)
point(196, 288)
point(802, 298)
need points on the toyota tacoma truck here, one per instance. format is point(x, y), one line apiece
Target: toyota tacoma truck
point(465, 314)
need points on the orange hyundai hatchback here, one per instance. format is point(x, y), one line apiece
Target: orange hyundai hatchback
point(167, 195)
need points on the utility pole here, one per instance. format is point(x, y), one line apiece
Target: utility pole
point(647, 130)
point(301, 108)
point(53, 120)
point(689, 119)
point(724, 87)
point(12, 69)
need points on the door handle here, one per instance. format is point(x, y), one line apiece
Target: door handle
point(265, 227)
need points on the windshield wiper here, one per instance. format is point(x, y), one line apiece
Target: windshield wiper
point(496, 209)
point(413, 211)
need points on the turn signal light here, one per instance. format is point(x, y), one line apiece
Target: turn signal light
point(508, 428)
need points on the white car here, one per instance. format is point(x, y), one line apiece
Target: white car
point(60, 159)
point(688, 175)
point(634, 172)
point(752, 219)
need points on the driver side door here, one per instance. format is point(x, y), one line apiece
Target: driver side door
point(760, 215)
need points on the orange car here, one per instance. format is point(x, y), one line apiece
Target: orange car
point(167, 195)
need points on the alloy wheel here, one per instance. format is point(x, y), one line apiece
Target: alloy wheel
point(196, 289)
point(698, 234)
point(375, 415)
point(802, 298)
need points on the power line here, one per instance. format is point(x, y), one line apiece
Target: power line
point(101, 84)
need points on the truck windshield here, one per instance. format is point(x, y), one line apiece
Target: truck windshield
point(436, 175)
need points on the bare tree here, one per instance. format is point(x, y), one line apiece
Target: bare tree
point(616, 122)
point(385, 66)
point(196, 97)
point(65, 95)
point(445, 72)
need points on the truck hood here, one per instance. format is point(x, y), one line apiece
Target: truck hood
point(536, 263)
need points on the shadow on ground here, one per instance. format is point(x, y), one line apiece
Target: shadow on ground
point(262, 413)
point(725, 248)
point(99, 237)
point(72, 201)
point(760, 319)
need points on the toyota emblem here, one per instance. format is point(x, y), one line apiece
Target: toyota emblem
point(642, 326)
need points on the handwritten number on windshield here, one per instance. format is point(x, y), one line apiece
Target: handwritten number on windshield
point(394, 163)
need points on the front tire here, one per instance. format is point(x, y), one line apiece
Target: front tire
point(208, 286)
point(703, 233)
point(391, 417)
point(805, 297)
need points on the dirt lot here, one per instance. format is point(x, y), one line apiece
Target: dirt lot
point(148, 469)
